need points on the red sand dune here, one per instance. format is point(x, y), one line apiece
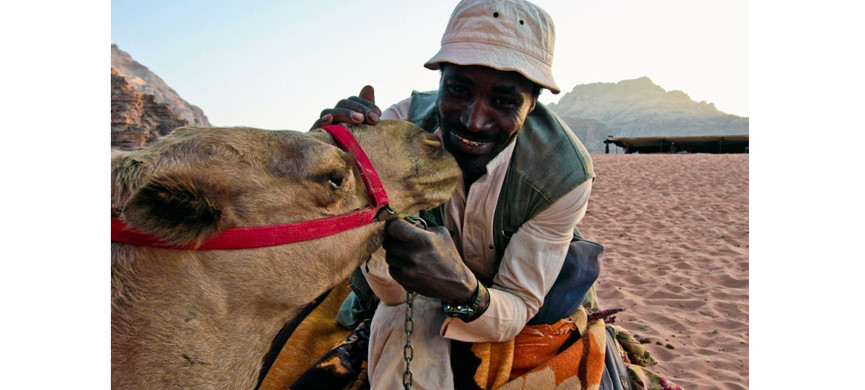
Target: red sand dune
point(675, 228)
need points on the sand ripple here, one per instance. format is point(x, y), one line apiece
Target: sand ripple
point(676, 232)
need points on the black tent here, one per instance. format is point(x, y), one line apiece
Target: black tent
point(691, 144)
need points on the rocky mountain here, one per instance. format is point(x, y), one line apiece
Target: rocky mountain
point(640, 108)
point(149, 83)
point(137, 119)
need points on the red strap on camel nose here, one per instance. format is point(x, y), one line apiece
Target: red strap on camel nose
point(373, 184)
point(262, 236)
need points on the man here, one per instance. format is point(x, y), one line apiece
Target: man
point(483, 275)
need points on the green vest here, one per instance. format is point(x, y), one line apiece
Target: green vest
point(548, 162)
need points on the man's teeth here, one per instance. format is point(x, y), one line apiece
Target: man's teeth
point(470, 142)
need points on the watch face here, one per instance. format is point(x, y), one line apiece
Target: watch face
point(465, 312)
point(458, 311)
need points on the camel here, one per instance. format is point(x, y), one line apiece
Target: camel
point(205, 319)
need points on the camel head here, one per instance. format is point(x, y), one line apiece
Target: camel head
point(422, 172)
point(200, 181)
point(205, 318)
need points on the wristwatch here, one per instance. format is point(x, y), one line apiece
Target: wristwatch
point(465, 312)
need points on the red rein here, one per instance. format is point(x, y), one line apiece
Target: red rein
point(262, 236)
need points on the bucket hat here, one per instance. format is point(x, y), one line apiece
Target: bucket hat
point(508, 35)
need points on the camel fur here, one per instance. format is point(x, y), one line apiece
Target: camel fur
point(206, 319)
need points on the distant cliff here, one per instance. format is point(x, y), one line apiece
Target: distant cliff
point(136, 118)
point(639, 108)
point(149, 83)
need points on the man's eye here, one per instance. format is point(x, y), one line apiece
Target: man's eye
point(505, 102)
point(458, 90)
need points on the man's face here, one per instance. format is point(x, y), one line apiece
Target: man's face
point(480, 110)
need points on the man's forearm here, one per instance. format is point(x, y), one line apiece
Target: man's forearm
point(529, 267)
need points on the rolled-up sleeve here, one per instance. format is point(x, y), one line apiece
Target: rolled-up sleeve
point(529, 267)
point(375, 270)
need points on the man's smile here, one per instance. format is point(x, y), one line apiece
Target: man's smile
point(470, 142)
point(470, 146)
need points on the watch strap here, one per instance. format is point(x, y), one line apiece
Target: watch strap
point(468, 312)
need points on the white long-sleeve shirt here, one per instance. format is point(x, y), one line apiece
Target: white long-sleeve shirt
point(529, 266)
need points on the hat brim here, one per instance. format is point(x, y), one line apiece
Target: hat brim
point(496, 57)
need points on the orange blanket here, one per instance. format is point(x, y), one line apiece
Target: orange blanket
point(545, 357)
point(566, 355)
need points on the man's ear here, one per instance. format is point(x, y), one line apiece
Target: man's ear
point(180, 209)
point(533, 105)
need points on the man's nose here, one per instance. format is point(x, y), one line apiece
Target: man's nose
point(476, 116)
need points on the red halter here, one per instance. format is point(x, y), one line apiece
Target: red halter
point(262, 236)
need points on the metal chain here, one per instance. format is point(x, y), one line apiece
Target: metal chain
point(408, 351)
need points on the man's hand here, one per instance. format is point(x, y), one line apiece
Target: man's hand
point(354, 110)
point(427, 261)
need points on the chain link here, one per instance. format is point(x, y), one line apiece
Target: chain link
point(408, 351)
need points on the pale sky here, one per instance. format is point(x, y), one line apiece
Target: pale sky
point(267, 65)
point(277, 64)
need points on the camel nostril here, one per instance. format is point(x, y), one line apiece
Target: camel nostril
point(433, 143)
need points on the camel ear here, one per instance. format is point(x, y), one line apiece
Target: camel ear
point(179, 209)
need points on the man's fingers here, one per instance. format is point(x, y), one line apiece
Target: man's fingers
point(354, 110)
point(394, 249)
point(355, 104)
point(339, 115)
point(403, 231)
point(365, 110)
point(325, 120)
point(368, 93)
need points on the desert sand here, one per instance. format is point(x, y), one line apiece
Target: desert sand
point(675, 228)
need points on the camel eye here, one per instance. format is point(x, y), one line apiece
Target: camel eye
point(335, 179)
